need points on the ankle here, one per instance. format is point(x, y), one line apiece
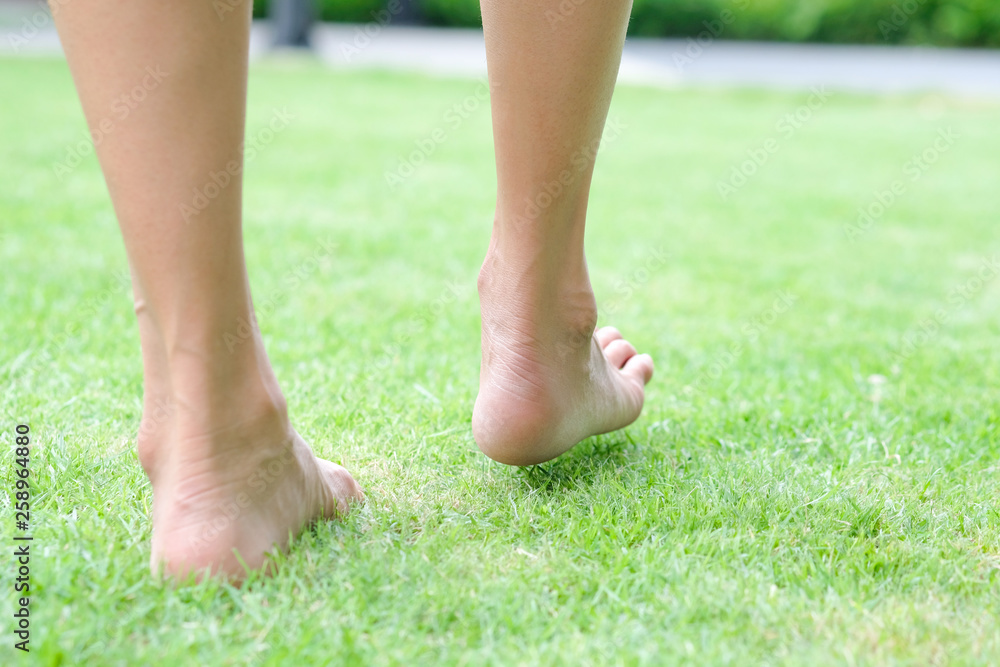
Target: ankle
point(551, 240)
point(212, 393)
point(557, 313)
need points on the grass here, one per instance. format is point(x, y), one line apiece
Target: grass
point(812, 486)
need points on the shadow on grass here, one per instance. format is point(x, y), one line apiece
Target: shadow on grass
point(582, 465)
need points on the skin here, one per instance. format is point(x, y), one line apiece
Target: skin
point(547, 380)
point(232, 480)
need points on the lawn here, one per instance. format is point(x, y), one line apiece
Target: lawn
point(814, 479)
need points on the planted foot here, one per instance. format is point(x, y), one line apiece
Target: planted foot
point(226, 495)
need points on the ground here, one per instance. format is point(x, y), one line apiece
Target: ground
point(814, 479)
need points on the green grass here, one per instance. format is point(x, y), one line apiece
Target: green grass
point(809, 491)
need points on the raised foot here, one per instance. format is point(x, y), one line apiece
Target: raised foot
point(539, 395)
point(222, 502)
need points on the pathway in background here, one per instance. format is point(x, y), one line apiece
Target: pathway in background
point(26, 29)
point(671, 62)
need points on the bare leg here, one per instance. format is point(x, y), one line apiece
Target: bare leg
point(229, 473)
point(548, 380)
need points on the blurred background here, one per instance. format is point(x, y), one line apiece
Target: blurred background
point(875, 46)
point(937, 22)
point(966, 23)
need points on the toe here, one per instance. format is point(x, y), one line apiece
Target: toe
point(640, 367)
point(344, 490)
point(606, 335)
point(618, 352)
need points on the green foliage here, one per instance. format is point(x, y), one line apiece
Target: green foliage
point(355, 11)
point(347, 11)
point(941, 22)
point(460, 13)
point(938, 22)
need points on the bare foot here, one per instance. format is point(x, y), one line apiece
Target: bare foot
point(224, 495)
point(548, 380)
